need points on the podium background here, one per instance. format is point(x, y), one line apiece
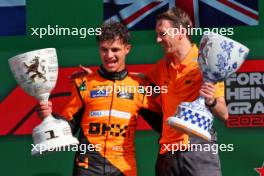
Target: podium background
point(15, 158)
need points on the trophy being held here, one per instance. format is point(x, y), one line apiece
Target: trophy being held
point(36, 72)
point(219, 57)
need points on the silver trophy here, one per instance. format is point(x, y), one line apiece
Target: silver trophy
point(219, 57)
point(36, 72)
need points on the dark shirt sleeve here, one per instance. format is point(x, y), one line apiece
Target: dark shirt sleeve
point(153, 119)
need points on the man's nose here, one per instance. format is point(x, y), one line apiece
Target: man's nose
point(109, 54)
point(158, 39)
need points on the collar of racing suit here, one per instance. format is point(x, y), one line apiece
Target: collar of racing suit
point(112, 76)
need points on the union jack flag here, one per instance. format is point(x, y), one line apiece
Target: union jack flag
point(12, 17)
point(140, 14)
point(218, 13)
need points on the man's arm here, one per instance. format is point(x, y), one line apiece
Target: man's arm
point(214, 99)
point(151, 110)
point(71, 113)
point(153, 119)
point(220, 109)
point(74, 109)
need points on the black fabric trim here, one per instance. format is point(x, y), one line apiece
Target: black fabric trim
point(112, 76)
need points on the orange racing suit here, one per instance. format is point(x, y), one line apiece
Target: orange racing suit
point(107, 115)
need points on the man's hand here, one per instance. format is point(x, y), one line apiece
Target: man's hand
point(84, 71)
point(207, 91)
point(44, 109)
point(217, 105)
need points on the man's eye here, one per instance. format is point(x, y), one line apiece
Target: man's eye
point(161, 34)
point(103, 49)
point(115, 49)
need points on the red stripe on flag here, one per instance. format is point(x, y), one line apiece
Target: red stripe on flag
point(140, 12)
point(187, 6)
point(240, 9)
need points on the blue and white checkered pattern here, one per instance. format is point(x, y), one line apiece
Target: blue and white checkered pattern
point(194, 118)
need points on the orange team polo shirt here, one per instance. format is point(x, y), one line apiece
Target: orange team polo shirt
point(183, 83)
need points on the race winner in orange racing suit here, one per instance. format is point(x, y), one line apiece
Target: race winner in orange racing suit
point(105, 105)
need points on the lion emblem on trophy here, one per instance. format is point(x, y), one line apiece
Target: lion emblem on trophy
point(34, 68)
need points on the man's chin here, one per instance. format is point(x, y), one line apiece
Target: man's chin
point(110, 70)
point(166, 50)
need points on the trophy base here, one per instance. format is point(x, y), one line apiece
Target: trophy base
point(188, 128)
point(193, 118)
point(54, 145)
point(52, 135)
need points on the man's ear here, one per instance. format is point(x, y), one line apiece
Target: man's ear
point(128, 48)
point(183, 33)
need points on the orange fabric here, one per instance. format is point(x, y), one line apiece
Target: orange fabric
point(183, 82)
point(109, 120)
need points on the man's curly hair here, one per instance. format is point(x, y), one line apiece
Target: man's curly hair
point(112, 30)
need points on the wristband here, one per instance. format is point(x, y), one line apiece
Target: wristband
point(212, 105)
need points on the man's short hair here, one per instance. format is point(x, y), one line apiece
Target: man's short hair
point(113, 30)
point(178, 17)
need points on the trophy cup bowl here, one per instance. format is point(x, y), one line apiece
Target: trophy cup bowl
point(36, 72)
point(219, 57)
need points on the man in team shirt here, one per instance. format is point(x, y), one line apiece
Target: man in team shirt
point(180, 72)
